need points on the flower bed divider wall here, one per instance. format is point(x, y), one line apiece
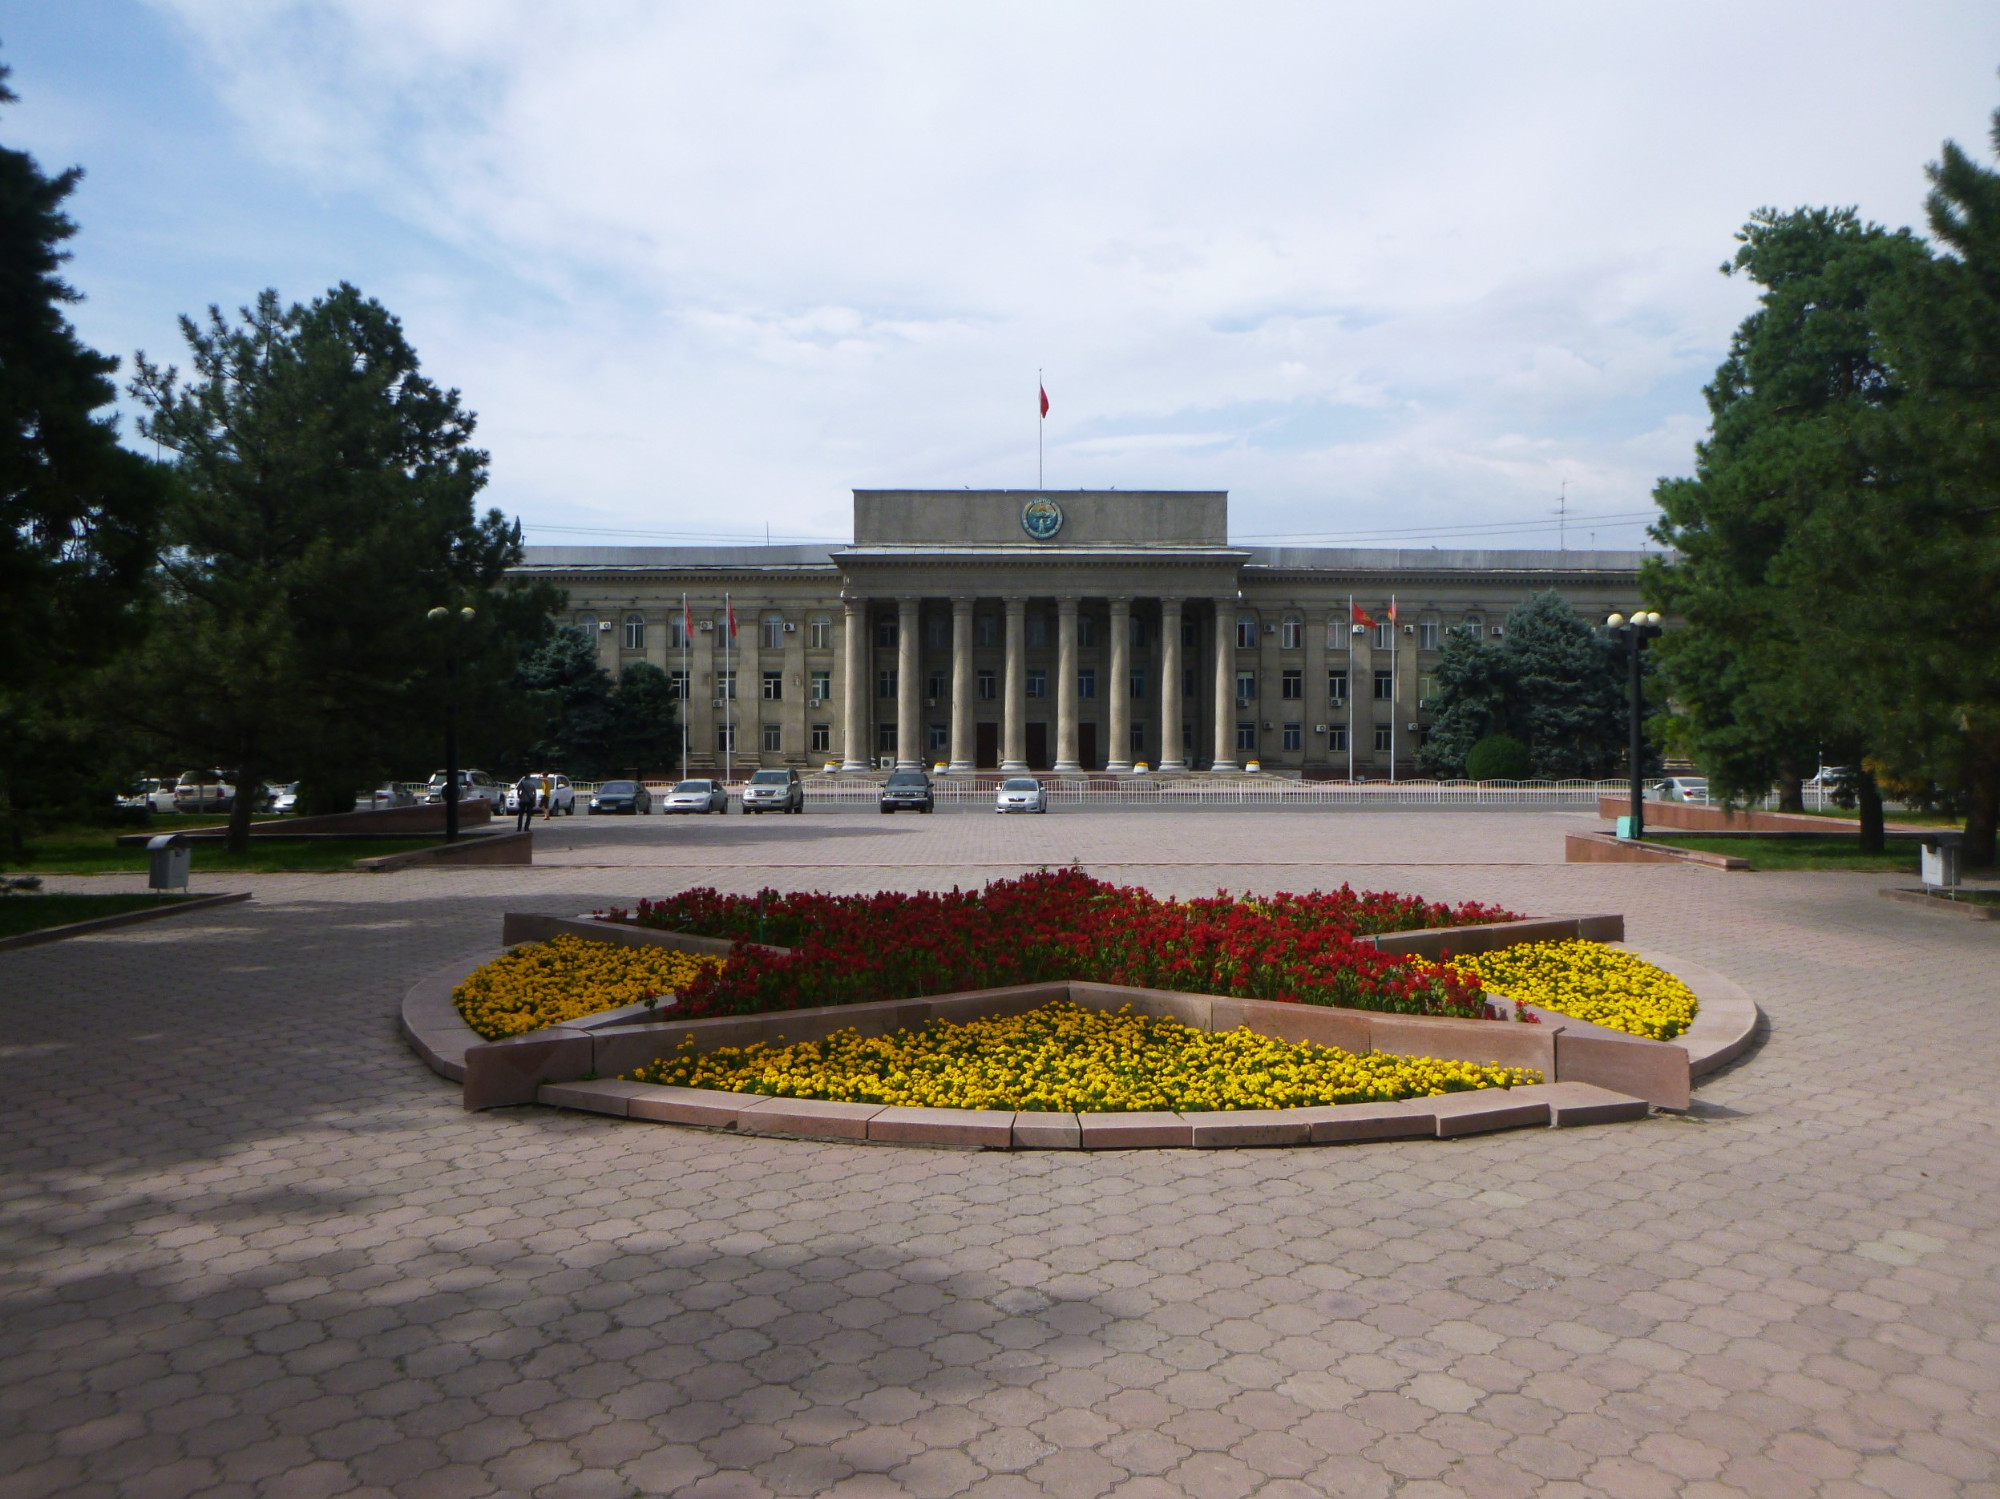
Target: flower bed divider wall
point(1562, 1049)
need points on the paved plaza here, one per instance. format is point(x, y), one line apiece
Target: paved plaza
point(250, 1245)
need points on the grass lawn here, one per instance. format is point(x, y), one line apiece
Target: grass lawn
point(96, 851)
point(1834, 851)
point(21, 914)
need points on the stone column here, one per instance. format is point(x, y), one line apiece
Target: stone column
point(1172, 757)
point(1225, 685)
point(1118, 754)
point(1315, 708)
point(1066, 686)
point(963, 738)
point(1014, 707)
point(909, 686)
point(854, 661)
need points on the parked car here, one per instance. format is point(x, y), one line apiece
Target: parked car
point(473, 785)
point(622, 796)
point(148, 794)
point(1684, 789)
point(204, 791)
point(282, 798)
point(388, 794)
point(697, 796)
point(560, 792)
point(906, 789)
point(775, 791)
point(1021, 794)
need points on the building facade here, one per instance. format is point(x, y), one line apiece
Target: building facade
point(1063, 631)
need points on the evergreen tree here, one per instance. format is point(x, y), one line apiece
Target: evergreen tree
point(1474, 688)
point(324, 506)
point(77, 511)
point(645, 728)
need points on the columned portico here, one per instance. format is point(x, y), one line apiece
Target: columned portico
point(1171, 754)
point(855, 718)
point(1066, 749)
point(909, 687)
point(1014, 705)
point(1225, 685)
point(963, 745)
point(1118, 755)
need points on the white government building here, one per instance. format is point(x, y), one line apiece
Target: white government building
point(1070, 631)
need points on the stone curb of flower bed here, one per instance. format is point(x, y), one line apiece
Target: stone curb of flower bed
point(123, 918)
point(1599, 1075)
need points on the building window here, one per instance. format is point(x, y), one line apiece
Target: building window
point(885, 683)
point(774, 632)
point(1138, 633)
point(588, 624)
point(1336, 633)
point(885, 631)
point(725, 685)
point(1086, 630)
point(822, 739)
point(1187, 739)
point(1038, 628)
point(677, 686)
point(940, 739)
point(986, 630)
point(989, 684)
point(1295, 736)
point(1427, 635)
point(822, 686)
point(1190, 634)
point(774, 686)
point(1246, 735)
point(1138, 740)
point(885, 739)
point(635, 632)
point(1336, 738)
point(1385, 635)
point(774, 738)
point(820, 635)
point(1384, 738)
point(1293, 687)
point(1427, 689)
point(1292, 633)
point(1038, 683)
point(1086, 683)
point(725, 738)
point(1475, 624)
point(677, 631)
point(934, 685)
point(937, 631)
point(1246, 632)
point(1385, 687)
point(1138, 684)
point(1336, 687)
point(1246, 687)
point(1188, 684)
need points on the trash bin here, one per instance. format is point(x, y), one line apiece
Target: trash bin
point(167, 856)
point(1940, 861)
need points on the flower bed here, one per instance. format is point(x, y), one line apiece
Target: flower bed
point(566, 978)
point(1064, 1059)
point(1063, 925)
point(1591, 982)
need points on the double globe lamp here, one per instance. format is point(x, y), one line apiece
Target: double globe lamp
point(1635, 630)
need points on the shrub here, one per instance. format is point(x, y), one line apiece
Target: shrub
point(1497, 757)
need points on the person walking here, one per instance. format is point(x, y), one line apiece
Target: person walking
point(548, 797)
point(524, 802)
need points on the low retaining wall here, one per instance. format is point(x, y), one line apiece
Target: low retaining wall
point(374, 823)
point(486, 848)
point(92, 924)
point(1609, 848)
point(1692, 817)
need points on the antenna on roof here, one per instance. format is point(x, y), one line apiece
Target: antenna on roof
point(1562, 518)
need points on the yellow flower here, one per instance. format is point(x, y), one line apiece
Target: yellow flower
point(1591, 982)
point(566, 978)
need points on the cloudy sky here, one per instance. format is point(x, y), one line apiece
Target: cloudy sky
point(1386, 273)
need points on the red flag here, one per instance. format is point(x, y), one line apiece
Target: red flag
point(1392, 608)
point(1045, 398)
point(732, 615)
point(1361, 615)
point(687, 619)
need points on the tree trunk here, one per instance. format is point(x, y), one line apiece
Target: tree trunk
point(1874, 838)
point(1791, 793)
point(1982, 819)
point(248, 783)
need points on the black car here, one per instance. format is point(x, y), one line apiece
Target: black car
point(622, 796)
point(906, 789)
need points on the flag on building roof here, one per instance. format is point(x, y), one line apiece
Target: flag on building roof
point(1045, 398)
point(1361, 615)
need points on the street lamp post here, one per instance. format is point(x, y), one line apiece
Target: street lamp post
point(443, 616)
point(1635, 632)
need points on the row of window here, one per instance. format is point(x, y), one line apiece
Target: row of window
point(1291, 685)
point(820, 738)
point(773, 628)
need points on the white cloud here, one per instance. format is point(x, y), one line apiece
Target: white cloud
point(1357, 264)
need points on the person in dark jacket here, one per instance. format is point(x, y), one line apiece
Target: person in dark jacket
point(525, 791)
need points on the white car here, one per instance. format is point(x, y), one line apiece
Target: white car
point(1021, 794)
point(697, 796)
point(149, 794)
point(1684, 789)
point(561, 794)
point(473, 785)
point(283, 798)
point(204, 791)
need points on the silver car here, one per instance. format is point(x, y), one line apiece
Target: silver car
point(775, 791)
point(1021, 794)
point(697, 796)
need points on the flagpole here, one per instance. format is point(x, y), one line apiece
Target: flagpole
point(728, 694)
point(1041, 420)
point(1395, 702)
point(1349, 704)
point(687, 681)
